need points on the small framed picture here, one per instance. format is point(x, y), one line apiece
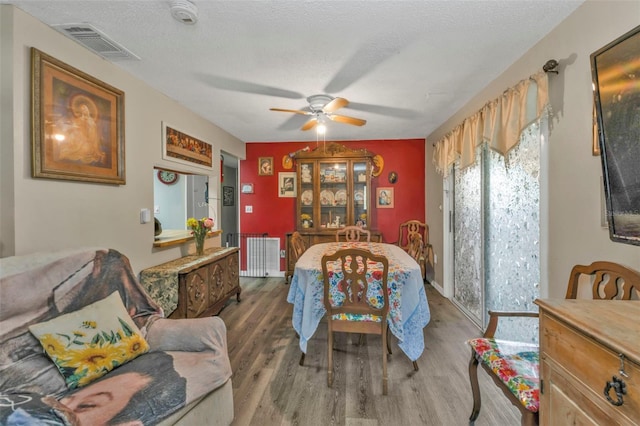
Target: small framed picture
point(227, 196)
point(384, 198)
point(265, 166)
point(286, 184)
point(246, 188)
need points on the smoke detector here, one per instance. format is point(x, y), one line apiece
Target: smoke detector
point(184, 11)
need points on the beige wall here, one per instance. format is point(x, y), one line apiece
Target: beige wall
point(574, 235)
point(45, 214)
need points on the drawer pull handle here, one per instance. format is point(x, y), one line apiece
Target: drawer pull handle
point(622, 373)
point(620, 388)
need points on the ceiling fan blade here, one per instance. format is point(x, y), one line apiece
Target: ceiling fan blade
point(347, 120)
point(335, 104)
point(231, 84)
point(310, 124)
point(295, 111)
point(292, 123)
point(385, 110)
point(373, 52)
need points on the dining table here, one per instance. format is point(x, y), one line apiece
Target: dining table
point(408, 306)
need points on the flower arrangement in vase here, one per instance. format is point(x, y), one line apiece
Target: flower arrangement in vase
point(200, 229)
point(362, 221)
point(306, 220)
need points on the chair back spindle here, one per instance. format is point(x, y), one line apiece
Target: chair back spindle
point(352, 233)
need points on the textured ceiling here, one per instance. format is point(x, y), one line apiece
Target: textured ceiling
point(405, 66)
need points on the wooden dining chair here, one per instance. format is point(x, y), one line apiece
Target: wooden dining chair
point(298, 247)
point(352, 233)
point(351, 305)
point(407, 231)
point(416, 248)
point(601, 280)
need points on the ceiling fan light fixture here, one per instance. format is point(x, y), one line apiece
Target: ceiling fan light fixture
point(317, 102)
point(321, 128)
point(322, 108)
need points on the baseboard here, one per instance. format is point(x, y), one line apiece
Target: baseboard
point(437, 286)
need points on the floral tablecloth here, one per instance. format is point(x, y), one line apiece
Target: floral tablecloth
point(409, 310)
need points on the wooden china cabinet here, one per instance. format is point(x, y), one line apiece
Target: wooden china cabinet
point(334, 190)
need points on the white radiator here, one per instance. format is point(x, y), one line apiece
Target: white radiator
point(263, 257)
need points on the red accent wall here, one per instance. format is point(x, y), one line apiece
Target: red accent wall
point(276, 216)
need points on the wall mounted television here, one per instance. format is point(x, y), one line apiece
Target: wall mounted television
point(615, 69)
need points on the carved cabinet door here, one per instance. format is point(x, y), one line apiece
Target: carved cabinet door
point(233, 278)
point(197, 294)
point(217, 279)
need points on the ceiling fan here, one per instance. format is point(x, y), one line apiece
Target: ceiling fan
point(321, 107)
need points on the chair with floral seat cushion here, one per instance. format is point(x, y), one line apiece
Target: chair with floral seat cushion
point(356, 298)
point(514, 366)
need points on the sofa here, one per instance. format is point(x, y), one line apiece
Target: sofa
point(182, 378)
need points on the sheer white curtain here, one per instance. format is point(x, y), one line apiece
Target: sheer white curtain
point(495, 159)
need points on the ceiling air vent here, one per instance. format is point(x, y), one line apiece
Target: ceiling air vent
point(96, 41)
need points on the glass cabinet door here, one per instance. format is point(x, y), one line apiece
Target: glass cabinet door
point(333, 194)
point(360, 194)
point(306, 217)
point(334, 185)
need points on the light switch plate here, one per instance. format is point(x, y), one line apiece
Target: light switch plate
point(145, 215)
point(248, 209)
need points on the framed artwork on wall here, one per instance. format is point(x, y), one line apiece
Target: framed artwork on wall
point(182, 148)
point(77, 124)
point(286, 184)
point(265, 166)
point(384, 198)
point(246, 188)
point(227, 196)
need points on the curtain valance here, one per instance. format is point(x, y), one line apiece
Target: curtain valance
point(499, 124)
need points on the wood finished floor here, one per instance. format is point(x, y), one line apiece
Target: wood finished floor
point(270, 388)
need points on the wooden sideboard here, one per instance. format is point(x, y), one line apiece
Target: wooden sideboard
point(316, 237)
point(586, 346)
point(194, 286)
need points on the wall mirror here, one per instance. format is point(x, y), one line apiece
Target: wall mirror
point(176, 197)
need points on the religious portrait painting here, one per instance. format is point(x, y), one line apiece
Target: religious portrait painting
point(384, 198)
point(77, 124)
point(265, 166)
point(183, 148)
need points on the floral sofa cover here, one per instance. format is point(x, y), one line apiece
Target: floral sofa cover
point(187, 359)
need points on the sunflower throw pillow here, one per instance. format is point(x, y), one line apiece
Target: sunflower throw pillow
point(88, 343)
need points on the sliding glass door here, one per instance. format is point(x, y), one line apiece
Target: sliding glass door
point(496, 235)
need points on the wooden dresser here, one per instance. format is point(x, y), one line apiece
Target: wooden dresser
point(194, 286)
point(587, 348)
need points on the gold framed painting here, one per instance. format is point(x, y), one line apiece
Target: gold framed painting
point(265, 166)
point(77, 124)
point(183, 148)
point(384, 198)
